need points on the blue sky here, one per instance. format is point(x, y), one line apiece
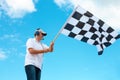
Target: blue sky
point(71, 59)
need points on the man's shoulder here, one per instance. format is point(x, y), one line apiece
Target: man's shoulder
point(30, 39)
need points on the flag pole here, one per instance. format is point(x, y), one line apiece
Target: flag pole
point(63, 26)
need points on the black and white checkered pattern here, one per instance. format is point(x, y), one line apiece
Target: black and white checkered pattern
point(84, 26)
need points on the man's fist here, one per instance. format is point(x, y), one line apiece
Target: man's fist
point(51, 46)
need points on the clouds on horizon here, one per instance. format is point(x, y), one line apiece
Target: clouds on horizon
point(11, 37)
point(107, 10)
point(17, 8)
point(9, 53)
point(12, 49)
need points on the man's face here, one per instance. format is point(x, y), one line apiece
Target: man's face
point(40, 36)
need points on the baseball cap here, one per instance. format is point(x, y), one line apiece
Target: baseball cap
point(40, 30)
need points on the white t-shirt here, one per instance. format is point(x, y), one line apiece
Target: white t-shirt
point(34, 59)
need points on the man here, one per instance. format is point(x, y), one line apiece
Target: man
point(35, 50)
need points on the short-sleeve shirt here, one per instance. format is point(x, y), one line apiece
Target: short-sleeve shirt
point(34, 59)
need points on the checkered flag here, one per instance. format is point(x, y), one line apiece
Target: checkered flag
point(84, 26)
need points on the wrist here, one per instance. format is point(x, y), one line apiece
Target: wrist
point(46, 50)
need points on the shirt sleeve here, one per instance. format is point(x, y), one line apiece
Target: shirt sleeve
point(29, 44)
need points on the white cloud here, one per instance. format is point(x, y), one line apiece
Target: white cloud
point(60, 3)
point(21, 54)
point(2, 55)
point(7, 36)
point(107, 10)
point(17, 8)
point(11, 37)
point(13, 51)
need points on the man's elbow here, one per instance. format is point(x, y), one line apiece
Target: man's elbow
point(31, 51)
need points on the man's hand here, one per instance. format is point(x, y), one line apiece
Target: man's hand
point(51, 46)
point(50, 49)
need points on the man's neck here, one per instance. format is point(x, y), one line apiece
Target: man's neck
point(37, 39)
